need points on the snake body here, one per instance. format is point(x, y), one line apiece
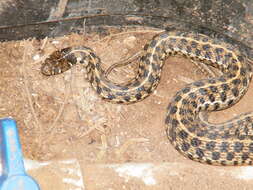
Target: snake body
point(228, 143)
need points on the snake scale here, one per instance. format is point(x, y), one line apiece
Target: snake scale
point(228, 143)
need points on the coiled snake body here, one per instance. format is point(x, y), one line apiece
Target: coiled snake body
point(229, 143)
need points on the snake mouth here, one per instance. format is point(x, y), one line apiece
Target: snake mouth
point(46, 70)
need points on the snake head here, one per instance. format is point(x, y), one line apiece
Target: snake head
point(58, 62)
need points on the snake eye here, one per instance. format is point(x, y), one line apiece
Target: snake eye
point(56, 70)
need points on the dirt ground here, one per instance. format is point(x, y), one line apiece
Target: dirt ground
point(72, 139)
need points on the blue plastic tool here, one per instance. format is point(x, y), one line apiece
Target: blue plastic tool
point(13, 176)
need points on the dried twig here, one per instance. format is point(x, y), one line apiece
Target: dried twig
point(26, 87)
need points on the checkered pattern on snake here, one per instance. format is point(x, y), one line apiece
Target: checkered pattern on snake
point(228, 143)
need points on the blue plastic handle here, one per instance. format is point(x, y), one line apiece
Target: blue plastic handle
point(13, 176)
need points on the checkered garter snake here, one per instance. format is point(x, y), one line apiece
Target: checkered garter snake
point(228, 143)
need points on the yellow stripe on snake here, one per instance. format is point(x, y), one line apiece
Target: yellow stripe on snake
point(228, 143)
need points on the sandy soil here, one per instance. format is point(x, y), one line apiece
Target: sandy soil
point(67, 130)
